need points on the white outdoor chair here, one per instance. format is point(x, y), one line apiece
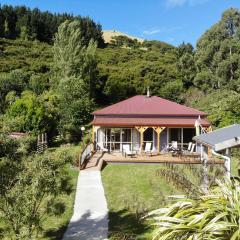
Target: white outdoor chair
point(148, 147)
point(173, 147)
point(191, 153)
point(189, 146)
point(126, 150)
point(192, 148)
point(101, 147)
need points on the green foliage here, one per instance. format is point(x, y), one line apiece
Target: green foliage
point(217, 54)
point(124, 41)
point(28, 24)
point(75, 73)
point(31, 113)
point(186, 64)
point(126, 72)
point(222, 106)
point(211, 216)
point(30, 193)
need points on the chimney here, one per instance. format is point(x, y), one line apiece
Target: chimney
point(148, 92)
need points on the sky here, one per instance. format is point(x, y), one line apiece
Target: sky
point(172, 21)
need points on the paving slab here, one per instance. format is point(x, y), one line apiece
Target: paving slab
point(90, 217)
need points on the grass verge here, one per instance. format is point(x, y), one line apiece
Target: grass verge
point(132, 191)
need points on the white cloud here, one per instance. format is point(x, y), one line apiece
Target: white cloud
point(162, 30)
point(179, 3)
point(151, 31)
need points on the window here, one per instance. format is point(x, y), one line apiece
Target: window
point(175, 135)
point(188, 134)
point(126, 135)
point(115, 137)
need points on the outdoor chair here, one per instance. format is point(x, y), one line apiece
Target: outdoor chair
point(148, 147)
point(173, 147)
point(149, 151)
point(191, 153)
point(189, 146)
point(101, 147)
point(127, 152)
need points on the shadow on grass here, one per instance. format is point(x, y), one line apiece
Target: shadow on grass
point(85, 228)
point(126, 226)
point(122, 226)
point(56, 234)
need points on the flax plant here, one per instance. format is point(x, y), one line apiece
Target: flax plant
point(211, 216)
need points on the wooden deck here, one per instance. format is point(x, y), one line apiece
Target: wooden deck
point(98, 159)
point(162, 158)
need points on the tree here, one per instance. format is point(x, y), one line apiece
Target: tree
point(29, 189)
point(75, 73)
point(186, 63)
point(10, 21)
point(218, 50)
point(211, 216)
point(31, 113)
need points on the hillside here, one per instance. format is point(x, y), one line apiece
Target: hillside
point(109, 34)
point(195, 77)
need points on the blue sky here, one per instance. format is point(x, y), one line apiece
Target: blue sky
point(172, 21)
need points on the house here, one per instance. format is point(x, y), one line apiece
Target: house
point(146, 119)
point(219, 143)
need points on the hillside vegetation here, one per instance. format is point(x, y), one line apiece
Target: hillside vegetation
point(29, 69)
point(55, 69)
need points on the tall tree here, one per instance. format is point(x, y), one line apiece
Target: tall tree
point(186, 63)
point(217, 54)
point(74, 78)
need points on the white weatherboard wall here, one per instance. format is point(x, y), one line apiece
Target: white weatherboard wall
point(136, 139)
point(101, 135)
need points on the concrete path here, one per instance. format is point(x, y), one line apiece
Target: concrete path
point(90, 217)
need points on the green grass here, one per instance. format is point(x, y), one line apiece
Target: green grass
point(55, 226)
point(234, 166)
point(132, 191)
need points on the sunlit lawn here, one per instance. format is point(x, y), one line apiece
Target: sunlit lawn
point(131, 191)
point(134, 190)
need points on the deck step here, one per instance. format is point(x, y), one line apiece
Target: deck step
point(94, 163)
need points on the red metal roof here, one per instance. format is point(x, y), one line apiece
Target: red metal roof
point(142, 105)
point(16, 135)
point(147, 121)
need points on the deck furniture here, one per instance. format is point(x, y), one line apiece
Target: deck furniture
point(189, 147)
point(148, 147)
point(190, 153)
point(127, 152)
point(174, 149)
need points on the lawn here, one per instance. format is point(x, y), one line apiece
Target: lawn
point(131, 191)
point(134, 190)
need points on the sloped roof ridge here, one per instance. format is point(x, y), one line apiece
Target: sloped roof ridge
point(146, 107)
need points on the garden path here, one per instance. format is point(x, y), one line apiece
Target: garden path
point(90, 217)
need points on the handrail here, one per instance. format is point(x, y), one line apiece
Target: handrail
point(86, 153)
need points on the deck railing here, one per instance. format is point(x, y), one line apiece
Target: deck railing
point(86, 153)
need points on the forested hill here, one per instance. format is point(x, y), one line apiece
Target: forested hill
point(53, 86)
point(33, 24)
